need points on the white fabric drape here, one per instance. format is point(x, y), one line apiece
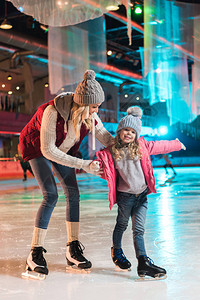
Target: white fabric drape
point(74, 49)
point(64, 12)
point(168, 43)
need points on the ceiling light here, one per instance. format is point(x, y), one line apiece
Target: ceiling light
point(46, 84)
point(10, 93)
point(17, 88)
point(5, 24)
point(112, 7)
point(3, 85)
point(9, 77)
point(109, 52)
point(138, 9)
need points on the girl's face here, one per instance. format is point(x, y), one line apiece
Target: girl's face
point(93, 108)
point(127, 135)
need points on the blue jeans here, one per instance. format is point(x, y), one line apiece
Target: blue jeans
point(43, 170)
point(134, 206)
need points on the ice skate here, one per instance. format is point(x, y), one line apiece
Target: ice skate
point(75, 259)
point(146, 267)
point(36, 266)
point(120, 259)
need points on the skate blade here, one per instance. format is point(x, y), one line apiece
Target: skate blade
point(118, 269)
point(75, 269)
point(33, 275)
point(148, 278)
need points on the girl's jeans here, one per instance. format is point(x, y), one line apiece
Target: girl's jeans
point(43, 170)
point(134, 206)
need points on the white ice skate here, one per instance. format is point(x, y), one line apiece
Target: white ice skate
point(77, 263)
point(28, 274)
point(36, 267)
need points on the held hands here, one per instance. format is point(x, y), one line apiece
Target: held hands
point(182, 145)
point(92, 167)
point(95, 166)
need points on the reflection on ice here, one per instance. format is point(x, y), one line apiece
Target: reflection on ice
point(172, 241)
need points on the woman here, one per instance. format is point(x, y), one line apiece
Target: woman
point(50, 142)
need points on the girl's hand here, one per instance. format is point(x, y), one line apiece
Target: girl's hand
point(182, 145)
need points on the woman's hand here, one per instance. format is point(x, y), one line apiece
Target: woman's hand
point(95, 167)
point(92, 167)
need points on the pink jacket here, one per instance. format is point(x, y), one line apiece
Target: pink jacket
point(147, 148)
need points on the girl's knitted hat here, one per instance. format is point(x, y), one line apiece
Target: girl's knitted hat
point(132, 120)
point(89, 91)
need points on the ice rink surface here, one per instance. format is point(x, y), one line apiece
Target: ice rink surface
point(172, 241)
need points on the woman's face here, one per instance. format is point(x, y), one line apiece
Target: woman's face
point(127, 135)
point(93, 108)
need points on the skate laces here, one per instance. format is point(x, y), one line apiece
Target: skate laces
point(37, 253)
point(150, 260)
point(120, 255)
point(77, 246)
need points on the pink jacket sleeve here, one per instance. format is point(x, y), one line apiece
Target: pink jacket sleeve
point(162, 147)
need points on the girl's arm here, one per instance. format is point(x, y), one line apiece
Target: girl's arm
point(162, 147)
point(102, 135)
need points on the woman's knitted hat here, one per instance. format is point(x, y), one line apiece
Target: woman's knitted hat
point(132, 120)
point(89, 91)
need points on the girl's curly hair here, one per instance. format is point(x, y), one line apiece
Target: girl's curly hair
point(118, 149)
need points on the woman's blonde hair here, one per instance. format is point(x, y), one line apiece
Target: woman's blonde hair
point(118, 149)
point(80, 114)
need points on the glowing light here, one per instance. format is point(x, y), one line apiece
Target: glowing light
point(17, 88)
point(46, 84)
point(126, 95)
point(163, 130)
point(20, 8)
point(109, 52)
point(109, 78)
point(112, 7)
point(9, 77)
point(137, 98)
point(10, 93)
point(3, 85)
point(5, 24)
point(158, 70)
point(138, 10)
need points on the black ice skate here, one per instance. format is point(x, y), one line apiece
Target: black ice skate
point(75, 258)
point(146, 267)
point(36, 266)
point(120, 259)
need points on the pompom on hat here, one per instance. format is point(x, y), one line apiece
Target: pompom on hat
point(132, 120)
point(89, 91)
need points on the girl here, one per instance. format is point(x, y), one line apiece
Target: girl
point(50, 142)
point(129, 173)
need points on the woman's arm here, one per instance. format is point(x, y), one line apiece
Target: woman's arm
point(48, 143)
point(102, 135)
